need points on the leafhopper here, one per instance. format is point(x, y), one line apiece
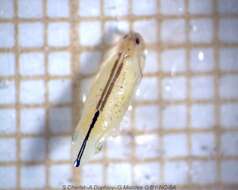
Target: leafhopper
point(109, 96)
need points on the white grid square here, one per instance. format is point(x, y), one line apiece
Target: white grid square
point(59, 9)
point(202, 87)
point(228, 6)
point(92, 174)
point(90, 62)
point(202, 59)
point(171, 29)
point(228, 86)
point(115, 7)
point(7, 38)
point(202, 116)
point(60, 91)
point(6, 8)
point(201, 30)
point(172, 7)
point(203, 7)
point(32, 91)
point(229, 142)
point(89, 8)
point(229, 171)
point(147, 173)
point(32, 120)
point(7, 64)
point(8, 150)
point(90, 33)
point(59, 124)
point(228, 29)
point(30, 9)
point(8, 121)
point(179, 119)
point(175, 172)
point(147, 117)
point(118, 174)
point(33, 176)
point(229, 115)
point(59, 63)
point(174, 88)
point(32, 64)
point(59, 148)
point(203, 144)
point(31, 34)
point(60, 175)
point(173, 60)
point(175, 145)
point(147, 146)
point(201, 177)
point(7, 92)
point(144, 7)
point(148, 89)
point(151, 62)
point(58, 34)
point(118, 147)
point(8, 174)
point(33, 149)
point(228, 59)
point(150, 36)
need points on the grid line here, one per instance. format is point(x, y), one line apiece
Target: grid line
point(46, 76)
point(161, 133)
point(17, 82)
point(151, 46)
point(106, 18)
point(75, 53)
point(216, 92)
point(147, 75)
point(102, 45)
point(188, 84)
point(125, 133)
point(132, 113)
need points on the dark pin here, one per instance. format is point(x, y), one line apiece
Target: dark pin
point(77, 161)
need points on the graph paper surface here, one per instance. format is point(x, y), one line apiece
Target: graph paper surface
point(182, 127)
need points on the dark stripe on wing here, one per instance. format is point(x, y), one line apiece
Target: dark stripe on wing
point(112, 85)
point(108, 81)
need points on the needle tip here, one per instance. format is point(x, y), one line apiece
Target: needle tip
point(76, 163)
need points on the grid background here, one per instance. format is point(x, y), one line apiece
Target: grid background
point(182, 126)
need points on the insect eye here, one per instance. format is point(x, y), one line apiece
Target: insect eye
point(137, 41)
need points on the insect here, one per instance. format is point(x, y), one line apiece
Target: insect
point(109, 96)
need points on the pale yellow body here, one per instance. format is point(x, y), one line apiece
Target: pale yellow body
point(132, 56)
